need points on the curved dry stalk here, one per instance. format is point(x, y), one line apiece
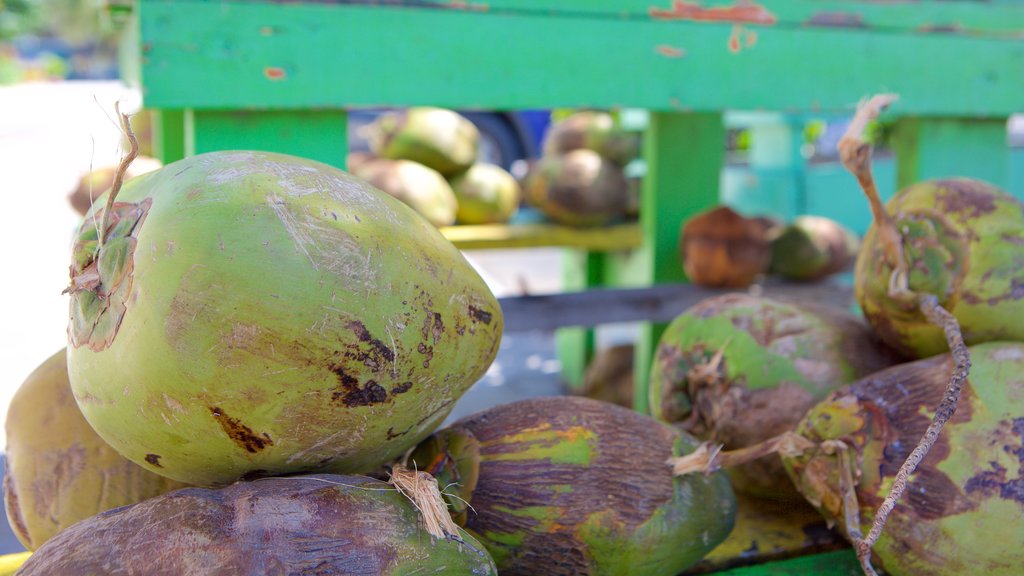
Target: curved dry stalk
point(122, 168)
point(709, 457)
point(855, 154)
point(939, 316)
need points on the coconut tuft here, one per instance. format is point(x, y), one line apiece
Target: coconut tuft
point(421, 489)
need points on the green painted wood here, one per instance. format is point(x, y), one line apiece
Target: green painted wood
point(238, 55)
point(999, 18)
point(841, 563)
point(575, 347)
point(169, 135)
point(314, 134)
point(946, 147)
point(684, 154)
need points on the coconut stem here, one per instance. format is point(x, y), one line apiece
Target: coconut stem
point(709, 457)
point(855, 154)
point(122, 168)
point(939, 316)
point(421, 489)
point(856, 157)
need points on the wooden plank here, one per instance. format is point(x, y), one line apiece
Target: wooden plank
point(606, 238)
point(238, 55)
point(314, 134)
point(659, 303)
point(938, 148)
point(999, 18)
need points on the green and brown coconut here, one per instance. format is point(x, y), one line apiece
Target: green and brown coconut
point(435, 137)
point(58, 470)
point(963, 241)
point(322, 524)
point(422, 189)
point(961, 513)
point(253, 314)
point(739, 369)
point(565, 486)
point(486, 194)
point(811, 248)
point(592, 130)
point(578, 189)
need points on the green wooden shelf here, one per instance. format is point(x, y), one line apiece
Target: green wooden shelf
point(280, 76)
point(491, 236)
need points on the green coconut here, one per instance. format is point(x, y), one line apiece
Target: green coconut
point(578, 189)
point(486, 194)
point(811, 248)
point(964, 243)
point(59, 471)
point(567, 485)
point(422, 189)
point(593, 130)
point(739, 369)
point(435, 137)
point(962, 510)
point(253, 314)
point(322, 524)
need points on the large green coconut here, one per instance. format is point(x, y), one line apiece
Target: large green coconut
point(323, 524)
point(422, 189)
point(435, 137)
point(739, 369)
point(578, 189)
point(254, 314)
point(962, 510)
point(593, 130)
point(486, 194)
point(58, 470)
point(964, 243)
point(567, 485)
point(811, 248)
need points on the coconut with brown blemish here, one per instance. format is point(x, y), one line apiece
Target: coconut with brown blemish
point(422, 189)
point(721, 248)
point(593, 130)
point(322, 524)
point(253, 314)
point(963, 241)
point(562, 486)
point(58, 470)
point(961, 513)
point(739, 369)
point(579, 188)
point(811, 248)
point(435, 137)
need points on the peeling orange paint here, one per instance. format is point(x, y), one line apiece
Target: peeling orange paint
point(274, 73)
point(670, 51)
point(734, 40)
point(751, 39)
point(745, 11)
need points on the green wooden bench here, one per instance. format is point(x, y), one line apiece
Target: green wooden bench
point(280, 75)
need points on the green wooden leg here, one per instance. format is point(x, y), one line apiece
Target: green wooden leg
point(684, 153)
point(315, 134)
point(935, 148)
point(169, 135)
point(576, 346)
